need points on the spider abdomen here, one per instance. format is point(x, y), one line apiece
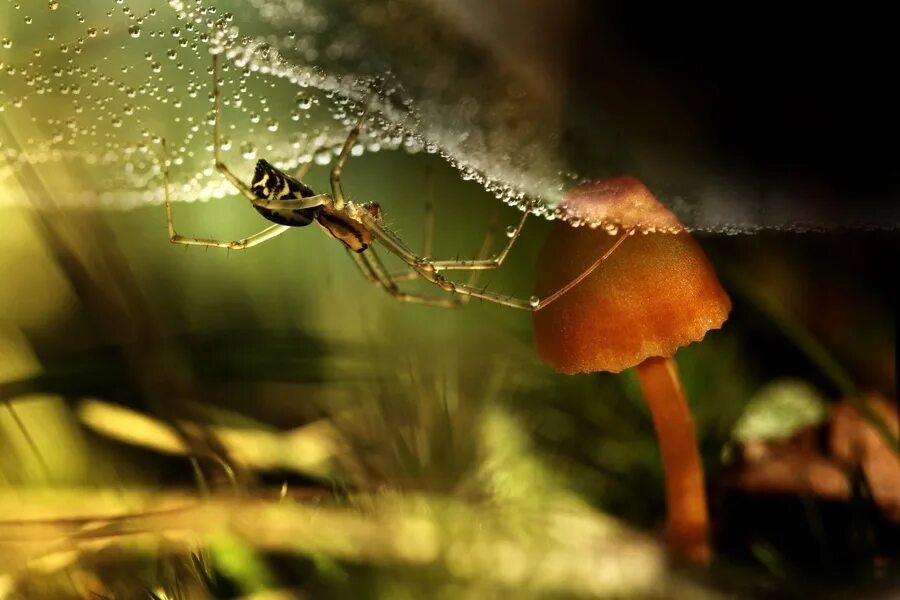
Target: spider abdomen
point(300, 217)
point(270, 183)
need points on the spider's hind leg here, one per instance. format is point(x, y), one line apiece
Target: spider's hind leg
point(372, 269)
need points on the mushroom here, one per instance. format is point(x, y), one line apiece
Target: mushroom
point(652, 292)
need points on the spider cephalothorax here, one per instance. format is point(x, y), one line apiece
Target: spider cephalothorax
point(270, 183)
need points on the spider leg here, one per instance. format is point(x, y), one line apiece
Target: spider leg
point(484, 264)
point(297, 204)
point(428, 229)
point(482, 253)
point(336, 192)
point(428, 237)
point(222, 168)
point(486, 245)
point(364, 267)
point(428, 232)
point(373, 270)
point(248, 242)
point(425, 268)
point(302, 170)
point(480, 263)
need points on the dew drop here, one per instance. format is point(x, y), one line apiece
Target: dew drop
point(534, 302)
point(323, 157)
point(53, 4)
point(248, 150)
point(511, 231)
point(134, 31)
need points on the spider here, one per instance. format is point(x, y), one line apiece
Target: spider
point(288, 203)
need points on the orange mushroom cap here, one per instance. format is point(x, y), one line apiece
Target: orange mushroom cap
point(652, 295)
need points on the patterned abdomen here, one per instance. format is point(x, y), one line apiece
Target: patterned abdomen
point(270, 183)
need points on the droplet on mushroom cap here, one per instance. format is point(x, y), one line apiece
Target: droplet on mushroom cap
point(655, 293)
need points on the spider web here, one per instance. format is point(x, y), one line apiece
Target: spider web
point(88, 90)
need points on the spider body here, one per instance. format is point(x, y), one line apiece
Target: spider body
point(288, 203)
point(274, 185)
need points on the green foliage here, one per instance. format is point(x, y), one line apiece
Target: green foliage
point(779, 410)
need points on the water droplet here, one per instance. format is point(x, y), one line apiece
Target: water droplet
point(7, 43)
point(53, 4)
point(134, 31)
point(511, 231)
point(534, 302)
point(323, 157)
point(272, 125)
point(28, 20)
point(248, 150)
point(303, 101)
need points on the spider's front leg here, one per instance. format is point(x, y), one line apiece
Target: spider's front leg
point(221, 167)
point(336, 191)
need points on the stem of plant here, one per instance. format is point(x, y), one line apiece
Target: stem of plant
point(687, 521)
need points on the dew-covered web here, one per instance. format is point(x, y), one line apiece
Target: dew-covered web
point(89, 89)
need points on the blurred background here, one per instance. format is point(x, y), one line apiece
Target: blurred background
point(190, 423)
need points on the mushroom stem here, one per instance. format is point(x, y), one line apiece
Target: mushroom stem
point(687, 522)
